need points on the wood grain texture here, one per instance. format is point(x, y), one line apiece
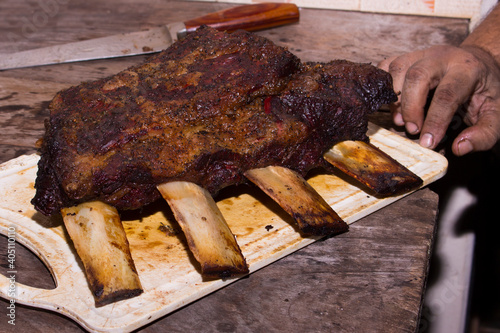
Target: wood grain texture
point(252, 17)
point(360, 281)
point(321, 35)
point(264, 232)
point(369, 279)
point(446, 8)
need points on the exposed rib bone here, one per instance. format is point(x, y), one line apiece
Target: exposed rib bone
point(208, 235)
point(292, 192)
point(101, 243)
point(372, 167)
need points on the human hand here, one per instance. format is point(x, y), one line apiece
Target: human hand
point(461, 76)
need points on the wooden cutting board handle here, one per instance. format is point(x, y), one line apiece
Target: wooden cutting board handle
point(248, 17)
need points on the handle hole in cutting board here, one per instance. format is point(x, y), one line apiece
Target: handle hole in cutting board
point(30, 270)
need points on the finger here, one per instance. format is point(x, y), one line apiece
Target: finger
point(453, 90)
point(481, 136)
point(394, 107)
point(397, 67)
point(397, 117)
point(420, 78)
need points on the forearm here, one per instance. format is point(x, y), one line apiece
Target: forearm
point(487, 35)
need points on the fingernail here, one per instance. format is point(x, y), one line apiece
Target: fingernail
point(464, 147)
point(398, 119)
point(412, 128)
point(427, 140)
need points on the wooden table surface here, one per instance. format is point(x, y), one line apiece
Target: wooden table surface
point(370, 279)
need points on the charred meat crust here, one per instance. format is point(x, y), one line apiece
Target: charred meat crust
point(205, 110)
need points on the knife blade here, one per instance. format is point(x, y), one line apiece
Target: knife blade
point(248, 17)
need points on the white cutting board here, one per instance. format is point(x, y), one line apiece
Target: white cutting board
point(168, 274)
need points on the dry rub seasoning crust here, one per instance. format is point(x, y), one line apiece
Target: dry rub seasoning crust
point(205, 110)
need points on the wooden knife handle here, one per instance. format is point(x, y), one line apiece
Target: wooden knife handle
point(247, 17)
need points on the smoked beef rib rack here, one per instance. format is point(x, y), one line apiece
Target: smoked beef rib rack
point(213, 110)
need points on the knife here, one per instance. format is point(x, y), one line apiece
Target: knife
point(249, 17)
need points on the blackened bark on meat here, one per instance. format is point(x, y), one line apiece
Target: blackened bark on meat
point(205, 110)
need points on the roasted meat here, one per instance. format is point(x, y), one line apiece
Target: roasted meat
point(205, 110)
